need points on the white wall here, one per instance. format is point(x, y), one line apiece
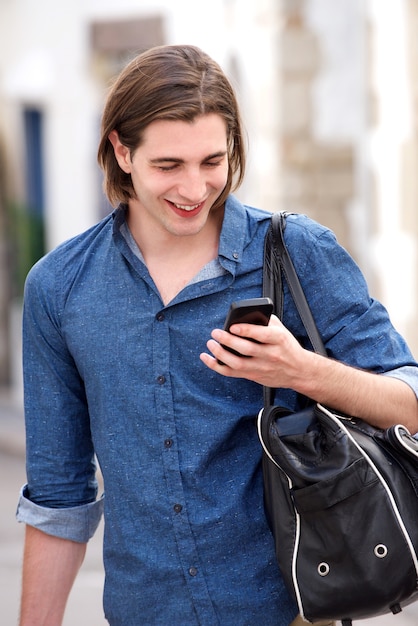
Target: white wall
point(393, 249)
point(45, 62)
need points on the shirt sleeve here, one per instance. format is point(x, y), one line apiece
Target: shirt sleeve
point(78, 523)
point(356, 328)
point(60, 457)
point(409, 375)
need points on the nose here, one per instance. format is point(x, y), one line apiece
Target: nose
point(192, 186)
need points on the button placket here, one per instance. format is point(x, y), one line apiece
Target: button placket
point(165, 415)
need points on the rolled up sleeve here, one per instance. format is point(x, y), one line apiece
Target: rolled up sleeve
point(77, 523)
point(408, 374)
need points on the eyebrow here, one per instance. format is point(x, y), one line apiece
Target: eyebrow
point(215, 155)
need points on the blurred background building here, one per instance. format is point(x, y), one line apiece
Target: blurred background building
point(329, 97)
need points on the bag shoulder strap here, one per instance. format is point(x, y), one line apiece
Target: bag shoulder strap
point(277, 260)
point(276, 246)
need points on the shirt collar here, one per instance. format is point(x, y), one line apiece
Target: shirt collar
point(233, 232)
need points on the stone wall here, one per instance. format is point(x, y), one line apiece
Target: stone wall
point(318, 176)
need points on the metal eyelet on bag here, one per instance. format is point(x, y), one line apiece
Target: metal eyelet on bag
point(323, 569)
point(380, 551)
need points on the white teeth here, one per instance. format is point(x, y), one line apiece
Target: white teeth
point(186, 207)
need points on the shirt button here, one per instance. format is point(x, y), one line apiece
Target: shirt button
point(168, 443)
point(160, 317)
point(177, 508)
point(192, 571)
point(161, 380)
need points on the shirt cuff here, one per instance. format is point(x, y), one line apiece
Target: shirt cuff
point(408, 374)
point(78, 523)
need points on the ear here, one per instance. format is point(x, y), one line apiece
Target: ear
point(122, 153)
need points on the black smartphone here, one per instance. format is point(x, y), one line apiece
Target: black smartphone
point(252, 311)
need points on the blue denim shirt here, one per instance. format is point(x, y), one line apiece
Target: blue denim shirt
point(110, 371)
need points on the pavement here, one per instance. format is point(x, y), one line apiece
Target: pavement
point(85, 605)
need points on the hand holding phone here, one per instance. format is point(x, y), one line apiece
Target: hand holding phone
point(252, 311)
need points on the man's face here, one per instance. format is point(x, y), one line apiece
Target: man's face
point(178, 172)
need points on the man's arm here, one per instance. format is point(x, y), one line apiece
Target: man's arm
point(50, 565)
point(278, 360)
point(380, 400)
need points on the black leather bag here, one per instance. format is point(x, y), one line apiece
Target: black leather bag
point(341, 496)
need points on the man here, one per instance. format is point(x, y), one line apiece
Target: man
point(115, 321)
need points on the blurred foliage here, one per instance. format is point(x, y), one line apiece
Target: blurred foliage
point(26, 242)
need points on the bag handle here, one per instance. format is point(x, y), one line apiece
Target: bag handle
point(277, 260)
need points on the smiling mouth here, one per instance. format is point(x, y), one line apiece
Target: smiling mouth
point(187, 207)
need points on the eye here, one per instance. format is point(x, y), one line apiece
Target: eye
point(167, 168)
point(213, 163)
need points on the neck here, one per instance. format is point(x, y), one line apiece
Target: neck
point(155, 241)
point(173, 260)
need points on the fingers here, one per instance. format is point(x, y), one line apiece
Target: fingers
point(227, 363)
point(253, 332)
point(242, 339)
point(234, 352)
point(269, 355)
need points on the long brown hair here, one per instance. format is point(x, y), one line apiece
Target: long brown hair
point(167, 83)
